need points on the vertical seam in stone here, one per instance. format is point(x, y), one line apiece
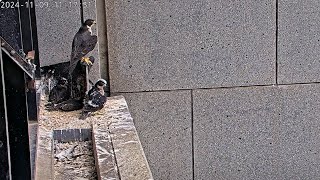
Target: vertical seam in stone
point(81, 12)
point(192, 137)
point(103, 16)
point(107, 47)
point(277, 42)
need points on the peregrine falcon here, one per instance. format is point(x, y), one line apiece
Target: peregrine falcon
point(95, 99)
point(83, 43)
point(59, 92)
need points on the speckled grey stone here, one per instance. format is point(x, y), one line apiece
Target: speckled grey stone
point(160, 45)
point(118, 152)
point(299, 41)
point(104, 154)
point(299, 129)
point(257, 133)
point(117, 148)
point(90, 12)
point(163, 120)
point(56, 26)
point(103, 40)
point(131, 160)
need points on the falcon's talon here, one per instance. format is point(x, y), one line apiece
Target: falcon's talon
point(83, 43)
point(86, 60)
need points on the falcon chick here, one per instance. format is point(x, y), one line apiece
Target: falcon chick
point(95, 99)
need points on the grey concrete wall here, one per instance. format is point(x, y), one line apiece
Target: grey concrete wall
point(57, 23)
point(257, 133)
point(164, 122)
point(90, 12)
point(206, 82)
point(298, 41)
point(164, 45)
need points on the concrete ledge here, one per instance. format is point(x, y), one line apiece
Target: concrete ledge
point(44, 164)
point(104, 155)
point(129, 155)
point(117, 148)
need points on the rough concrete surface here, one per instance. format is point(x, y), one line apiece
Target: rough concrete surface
point(298, 41)
point(131, 160)
point(118, 151)
point(104, 153)
point(163, 121)
point(57, 24)
point(161, 45)
point(103, 39)
point(90, 12)
point(257, 133)
point(44, 164)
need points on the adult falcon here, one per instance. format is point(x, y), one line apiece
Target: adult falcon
point(83, 43)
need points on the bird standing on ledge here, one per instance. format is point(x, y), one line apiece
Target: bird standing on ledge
point(83, 43)
point(79, 66)
point(95, 99)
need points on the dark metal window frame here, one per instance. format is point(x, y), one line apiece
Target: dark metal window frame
point(14, 138)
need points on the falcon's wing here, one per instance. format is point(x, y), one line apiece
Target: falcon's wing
point(76, 46)
point(89, 42)
point(82, 44)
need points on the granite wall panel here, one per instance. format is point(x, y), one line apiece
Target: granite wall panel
point(57, 23)
point(298, 127)
point(163, 45)
point(257, 133)
point(163, 121)
point(298, 41)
